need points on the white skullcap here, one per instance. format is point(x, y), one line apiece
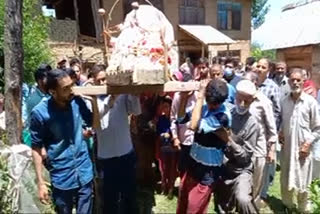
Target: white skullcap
point(246, 87)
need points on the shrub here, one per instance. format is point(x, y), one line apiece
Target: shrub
point(35, 36)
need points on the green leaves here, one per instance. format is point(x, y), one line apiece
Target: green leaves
point(35, 37)
point(315, 195)
point(258, 53)
point(259, 9)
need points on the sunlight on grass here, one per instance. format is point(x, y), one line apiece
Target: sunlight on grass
point(164, 205)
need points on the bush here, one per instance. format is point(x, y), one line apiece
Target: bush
point(5, 199)
point(35, 37)
point(315, 195)
point(258, 53)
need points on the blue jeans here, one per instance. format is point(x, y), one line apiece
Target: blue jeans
point(81, 197)
point(119, 184)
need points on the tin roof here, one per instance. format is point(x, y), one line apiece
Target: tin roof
point(206, 34)
point(298, 25)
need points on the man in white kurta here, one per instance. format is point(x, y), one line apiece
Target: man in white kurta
point(300, 128)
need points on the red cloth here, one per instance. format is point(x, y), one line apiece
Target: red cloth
point(168, 164)
point(310, 88)
point(193, 196)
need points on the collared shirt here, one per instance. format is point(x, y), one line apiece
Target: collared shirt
point(284, 87)
point(231, 93)
point(207, 150)
point(239, 152)
point(25, 95)
point(59, 131)
point(182, 131)
point(261, 108)
point(301, 123)
point(236, 79)
point(114, 139)
point(34, 98)
point(270, 89)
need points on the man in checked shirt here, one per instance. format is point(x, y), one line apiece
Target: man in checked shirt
point(271, 90)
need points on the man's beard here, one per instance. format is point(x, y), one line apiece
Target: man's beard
point(296, 90)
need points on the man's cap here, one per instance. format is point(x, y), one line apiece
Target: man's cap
point(246, 87)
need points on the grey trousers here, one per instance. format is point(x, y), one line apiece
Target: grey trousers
point(236, 193)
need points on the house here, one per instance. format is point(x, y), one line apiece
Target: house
point(295, 36)
point(202, 27)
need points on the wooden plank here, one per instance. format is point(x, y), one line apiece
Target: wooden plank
point(171, 86)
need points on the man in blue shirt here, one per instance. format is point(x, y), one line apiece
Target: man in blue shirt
point(215, 72)
point(56, 124)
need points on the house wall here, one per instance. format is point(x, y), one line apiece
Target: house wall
point(171, 10)
point(296, 56)
point(316, 64)
point(307, 57)
point(63, 30)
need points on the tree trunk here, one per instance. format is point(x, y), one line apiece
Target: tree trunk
point(13, 53)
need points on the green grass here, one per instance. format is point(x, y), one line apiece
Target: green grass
point(164, 205)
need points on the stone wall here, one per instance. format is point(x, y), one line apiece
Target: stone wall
point(92, 53)
point(63, 30)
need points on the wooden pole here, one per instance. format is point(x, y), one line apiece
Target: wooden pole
point(102, 13)
point(76, 15)
point(13, 56)
point(202, 51)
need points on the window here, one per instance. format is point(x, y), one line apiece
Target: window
point(229, 16)
point(191, 12)
point(230, 53)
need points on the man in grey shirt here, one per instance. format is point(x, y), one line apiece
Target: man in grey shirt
point(236, 188)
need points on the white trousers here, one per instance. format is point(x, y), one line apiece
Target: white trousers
point(258, 173)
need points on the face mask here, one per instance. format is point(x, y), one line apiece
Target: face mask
point(241, 110)
point(228, 72)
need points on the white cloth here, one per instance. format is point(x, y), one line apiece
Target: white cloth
point(261, 108)
point(114, 139)
point(2, 121)
point(300, 123)
point(257, 177)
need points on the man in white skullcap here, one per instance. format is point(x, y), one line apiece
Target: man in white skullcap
point(262, 109)
point(236, 188)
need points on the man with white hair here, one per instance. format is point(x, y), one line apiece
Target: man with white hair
point(300, 129)
point(236, 188)
point(262, 109)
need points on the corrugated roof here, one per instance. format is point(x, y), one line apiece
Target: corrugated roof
point(295, 27)
point(206, 34)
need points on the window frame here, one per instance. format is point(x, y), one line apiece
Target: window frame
point(228, 10)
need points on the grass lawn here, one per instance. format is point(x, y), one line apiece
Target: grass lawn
point(163, 205)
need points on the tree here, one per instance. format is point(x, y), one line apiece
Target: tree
point(259, 9)
point(257, 53)
point(13, 57)
point(35, 36)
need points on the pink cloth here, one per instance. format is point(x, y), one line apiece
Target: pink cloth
point(310, 88)
point(178, 75)
point(181, 131)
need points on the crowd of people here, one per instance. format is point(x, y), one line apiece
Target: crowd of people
point(103, 153)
